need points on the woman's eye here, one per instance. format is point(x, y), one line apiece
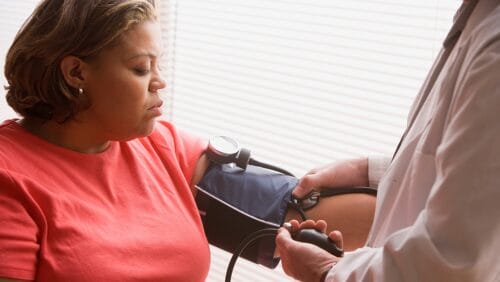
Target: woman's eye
point(140, 71)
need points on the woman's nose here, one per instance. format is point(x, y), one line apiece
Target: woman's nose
point(157, 83)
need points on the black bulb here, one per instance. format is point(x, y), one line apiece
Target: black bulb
point(319, 239)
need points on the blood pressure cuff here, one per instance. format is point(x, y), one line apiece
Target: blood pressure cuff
point(234, 203)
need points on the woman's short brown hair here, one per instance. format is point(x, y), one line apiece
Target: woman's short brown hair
point(58, 28)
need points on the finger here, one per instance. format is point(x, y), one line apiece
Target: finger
point(301, 191)
point(306, 184)
point(294, 225)
point(321, 226)
point(307, 224)
point(324, 177)
point(336, 236)
point(282, 239)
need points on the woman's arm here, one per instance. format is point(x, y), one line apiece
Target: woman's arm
point(199, 171)
point(351, 214)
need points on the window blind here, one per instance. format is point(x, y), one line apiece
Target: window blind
point(301, 83)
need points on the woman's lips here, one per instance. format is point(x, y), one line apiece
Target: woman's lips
point(156, 105)
point(156, 108)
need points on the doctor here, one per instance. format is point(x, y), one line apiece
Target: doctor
point(437, 209)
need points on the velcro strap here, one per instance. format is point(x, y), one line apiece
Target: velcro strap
point(260, 192)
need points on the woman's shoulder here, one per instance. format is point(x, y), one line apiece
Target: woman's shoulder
point(8, 125)
point(11, 140)
point(172, 136)
point(167, 137)
point(11, 136)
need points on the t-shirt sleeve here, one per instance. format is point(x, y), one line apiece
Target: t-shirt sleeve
point(187, 147)
point(18, 232)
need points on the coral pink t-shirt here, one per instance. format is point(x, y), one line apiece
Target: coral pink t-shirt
point(126, 214)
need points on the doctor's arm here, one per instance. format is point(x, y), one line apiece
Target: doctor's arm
point(352, 214)
point(454, 237)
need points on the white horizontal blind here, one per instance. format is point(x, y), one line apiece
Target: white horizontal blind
point(167, 16)
point(301, 83)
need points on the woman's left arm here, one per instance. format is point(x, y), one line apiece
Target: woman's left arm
point(199, 172)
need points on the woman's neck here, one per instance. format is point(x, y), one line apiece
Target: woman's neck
point(71, 135)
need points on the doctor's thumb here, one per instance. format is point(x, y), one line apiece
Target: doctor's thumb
point(306, 184)
point(283, 240)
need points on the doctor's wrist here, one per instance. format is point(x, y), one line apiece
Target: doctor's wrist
point(325, 272)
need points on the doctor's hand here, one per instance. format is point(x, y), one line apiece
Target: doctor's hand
point(345, 173)
point(304, 261)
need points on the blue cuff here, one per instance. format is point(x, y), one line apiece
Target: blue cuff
point(257, 191)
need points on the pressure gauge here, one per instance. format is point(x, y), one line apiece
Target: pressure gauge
point(224, 149)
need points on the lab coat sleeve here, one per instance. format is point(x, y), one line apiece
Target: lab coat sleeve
point(377, 165)
point(455, 237)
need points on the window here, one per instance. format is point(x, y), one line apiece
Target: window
point(300, 83)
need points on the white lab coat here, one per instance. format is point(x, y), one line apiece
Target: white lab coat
point(438, 206)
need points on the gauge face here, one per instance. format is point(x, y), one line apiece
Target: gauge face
point(224, 145)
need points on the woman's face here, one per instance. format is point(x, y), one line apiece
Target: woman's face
point(123, 83)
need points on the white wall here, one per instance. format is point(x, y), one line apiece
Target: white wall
point(12, 16)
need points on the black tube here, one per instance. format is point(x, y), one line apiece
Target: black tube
point(255, 162)
point(244, 244)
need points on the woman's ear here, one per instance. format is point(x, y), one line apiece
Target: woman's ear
point(73, 69)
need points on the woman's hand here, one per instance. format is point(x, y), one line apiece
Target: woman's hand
point(346, 173)
point(304, 261)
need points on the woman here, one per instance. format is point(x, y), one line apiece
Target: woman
point(91, 187)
